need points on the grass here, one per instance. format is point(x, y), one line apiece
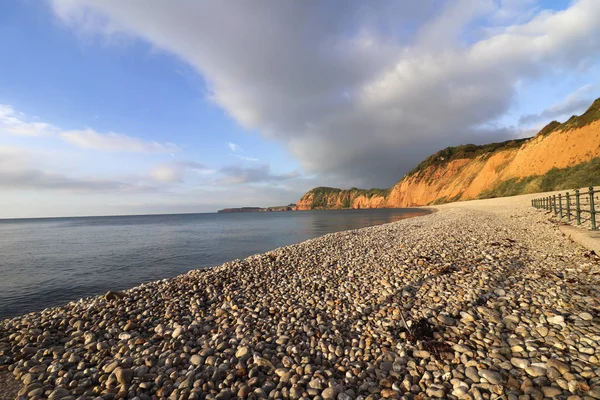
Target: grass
point(578, 176)
point(446, 199)
point(576, 121)
point(467, 151)
point(470, 151)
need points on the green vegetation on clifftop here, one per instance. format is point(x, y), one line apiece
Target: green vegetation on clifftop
point(577, 176)
point(576, 121)
point(467, 151)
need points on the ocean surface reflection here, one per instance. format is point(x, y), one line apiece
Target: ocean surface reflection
point(47, 262)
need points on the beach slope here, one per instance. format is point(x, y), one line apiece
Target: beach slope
point(498, 303)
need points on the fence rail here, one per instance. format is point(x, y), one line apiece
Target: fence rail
point(579, 206)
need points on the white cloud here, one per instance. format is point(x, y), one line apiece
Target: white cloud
point(175, 171)
point(15, 123)
point(233, 147)
point(18, 172)
point(236, 149)
point(90, 139)
point(244, 158)
point(361, 90)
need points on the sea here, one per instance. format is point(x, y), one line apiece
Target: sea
point(46, 262)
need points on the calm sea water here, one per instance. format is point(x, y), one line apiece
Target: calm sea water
point(48, 262)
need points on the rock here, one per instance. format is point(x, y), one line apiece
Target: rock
point(535, 371)
point(329, 393)
point(262, 362)
point(421, 354)
point(519, 362)
point(472, 374)
point(114, 295)
point(491, 376)
point(436, 391)
point(586, 316)
point(559, 365)
point(196, 360)
point(123, 375)
point(108, 368)
point(534, 393)
point(295, 393)
point(242, 353)
point(460, 391)
point(461, 348)
point(243, 392)
point(551, 391)
point(465, 316)
point(446, 320)
point(131, 325)
point(225, 394)
point(315, 384)
point(59, 393)
point(387, 394)
point(594, 393)
point(177, 332)
point(557, 319)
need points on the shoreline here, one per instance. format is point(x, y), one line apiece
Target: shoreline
point(487, 290)
point(33, 301)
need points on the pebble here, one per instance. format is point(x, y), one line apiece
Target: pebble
point(123, 375)
point(558, 319)
point(551, 391)
point(488, 317)
point(490, 376)
point(329, 393)
point(535, 371)
point(519, 362)
point(421, 354)
point(586, 316)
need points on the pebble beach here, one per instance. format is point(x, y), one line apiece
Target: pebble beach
point(479, 300)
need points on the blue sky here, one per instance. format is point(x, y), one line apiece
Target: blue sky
point(154, 107)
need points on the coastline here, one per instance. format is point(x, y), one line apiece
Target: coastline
point(488, 288)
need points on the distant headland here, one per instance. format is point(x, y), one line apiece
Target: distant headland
point(289, 207)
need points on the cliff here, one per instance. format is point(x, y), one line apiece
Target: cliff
point(560, 156)
point(328, 198)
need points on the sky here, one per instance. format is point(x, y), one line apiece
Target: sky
point(146, 106)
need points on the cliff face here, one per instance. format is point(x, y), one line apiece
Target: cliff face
point(332, 198)
point(469, 172)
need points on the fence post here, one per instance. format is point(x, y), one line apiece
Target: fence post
point(549, 203)
point(554, 202)
point(592, 209)
point(577, 207)
point(560, 205)
point(568, 207)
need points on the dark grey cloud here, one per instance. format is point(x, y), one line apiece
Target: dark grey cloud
point(358, 92)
